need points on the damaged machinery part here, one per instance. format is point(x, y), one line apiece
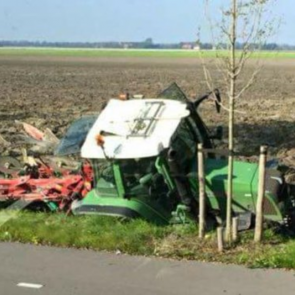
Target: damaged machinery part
point(215, 94)
point(203, 134)
point(181, 182)
point(40, 185)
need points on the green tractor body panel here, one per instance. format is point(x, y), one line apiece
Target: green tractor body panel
point(216, 185)
point(245, 189)
point(113, 206)
point(95, 203)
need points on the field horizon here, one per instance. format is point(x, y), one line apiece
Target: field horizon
point(113, 53)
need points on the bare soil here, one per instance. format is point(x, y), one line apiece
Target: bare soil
point(52, 92)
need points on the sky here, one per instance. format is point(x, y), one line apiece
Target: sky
point(118, 20)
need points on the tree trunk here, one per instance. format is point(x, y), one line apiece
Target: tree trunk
point(202, 204)
point(220, 238)
point(260, 198)
point(232, 95)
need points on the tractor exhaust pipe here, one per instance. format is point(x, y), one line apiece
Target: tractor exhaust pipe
point(180, 180)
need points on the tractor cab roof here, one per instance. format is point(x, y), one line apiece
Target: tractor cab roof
point(136, 128)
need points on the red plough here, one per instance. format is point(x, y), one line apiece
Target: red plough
point(41, 185)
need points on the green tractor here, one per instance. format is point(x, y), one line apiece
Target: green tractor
point(144, 156)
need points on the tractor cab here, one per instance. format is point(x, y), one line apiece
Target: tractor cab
point(130, 146)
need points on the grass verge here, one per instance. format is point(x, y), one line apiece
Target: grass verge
point(141, 238)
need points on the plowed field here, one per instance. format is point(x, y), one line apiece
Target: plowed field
point(53, 91)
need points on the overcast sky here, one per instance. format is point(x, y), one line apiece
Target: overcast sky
point(116, 20)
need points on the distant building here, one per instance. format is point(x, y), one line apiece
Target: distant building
point(125, 45)
point(187, 46)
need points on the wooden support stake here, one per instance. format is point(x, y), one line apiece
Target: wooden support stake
point(202, 204)
point(25, 155)
point(260, 197)
point(235, 223)
point(220, 238)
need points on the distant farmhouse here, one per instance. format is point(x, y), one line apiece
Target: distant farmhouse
point(190, 46)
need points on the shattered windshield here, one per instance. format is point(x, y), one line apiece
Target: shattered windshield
point(173, 92)
point(75, 136)
point(185, 144)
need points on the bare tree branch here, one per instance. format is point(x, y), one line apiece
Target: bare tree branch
point(249, 84)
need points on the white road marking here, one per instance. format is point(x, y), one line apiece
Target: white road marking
point(29, 285)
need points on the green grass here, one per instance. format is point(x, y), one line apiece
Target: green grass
point(141, 238)
point(112, 53)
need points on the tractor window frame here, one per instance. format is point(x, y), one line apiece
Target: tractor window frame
point(186, 149)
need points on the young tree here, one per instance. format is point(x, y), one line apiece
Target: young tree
point(246, 24)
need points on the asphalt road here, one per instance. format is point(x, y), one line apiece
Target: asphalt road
point(70, 272)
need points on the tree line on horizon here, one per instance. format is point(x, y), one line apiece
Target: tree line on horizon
point(147, 44)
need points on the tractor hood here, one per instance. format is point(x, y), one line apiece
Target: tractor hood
point(244, 184)
point(244, 176)
point(134, 128)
